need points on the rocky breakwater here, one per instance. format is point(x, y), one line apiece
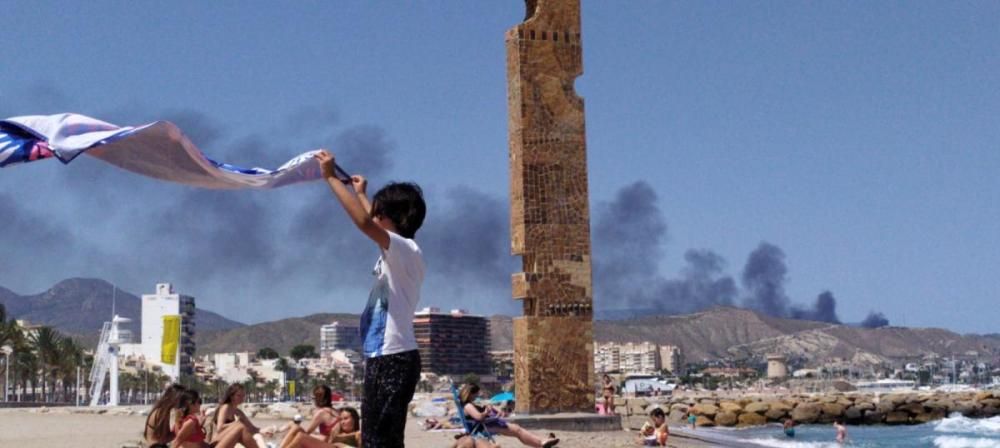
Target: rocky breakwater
point(853, 408)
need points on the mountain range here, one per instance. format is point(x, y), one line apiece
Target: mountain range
point(79, 306)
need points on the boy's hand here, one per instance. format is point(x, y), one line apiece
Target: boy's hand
point(326, 163)
point(360, 183)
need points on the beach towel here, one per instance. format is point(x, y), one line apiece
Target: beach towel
point(158, 150)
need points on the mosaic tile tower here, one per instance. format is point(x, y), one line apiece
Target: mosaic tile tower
point(550, 224)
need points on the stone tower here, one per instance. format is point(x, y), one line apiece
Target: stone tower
point(550, 217)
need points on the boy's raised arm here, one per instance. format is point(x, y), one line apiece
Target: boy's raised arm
point(352, 203)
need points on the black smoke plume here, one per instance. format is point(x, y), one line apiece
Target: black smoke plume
point(764, 281)
point(824, 310)
point(875, 319)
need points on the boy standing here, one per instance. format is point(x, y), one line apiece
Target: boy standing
point(392, 363)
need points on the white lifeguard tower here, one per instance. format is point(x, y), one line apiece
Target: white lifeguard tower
point(106, 360)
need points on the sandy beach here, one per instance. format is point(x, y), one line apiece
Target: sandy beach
point(60, 428)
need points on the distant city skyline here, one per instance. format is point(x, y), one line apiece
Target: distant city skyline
point(847, 147)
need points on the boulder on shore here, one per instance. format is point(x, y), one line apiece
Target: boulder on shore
point(757, 406)
point(806, 412)
point(701, 420)
point(897, 418)
point(705, 409)
point(725, 418)
point(751, 419)
point(729, 406)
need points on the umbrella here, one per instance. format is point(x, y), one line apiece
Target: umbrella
point(505, 396)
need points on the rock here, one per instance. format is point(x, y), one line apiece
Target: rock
point(989, 411)
point(853, 413)
point(828, 399)
point(833, 409)
point(806, 412)
point(983, 395)
point(708, 410)
point(751, 419)
point(703, 421)
point(864, 405)
point(776, 414)
point(679, 406)
point(757, 406)
point(897, 418)
point(873, 417)
point(678, 415)
point(725, 418)
point(990, 403)
point(967, 408)
point(913, 408)
point(729, 406)
point(939, 405)
point(929, 416)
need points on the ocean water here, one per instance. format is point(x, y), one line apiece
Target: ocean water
point(953, 432)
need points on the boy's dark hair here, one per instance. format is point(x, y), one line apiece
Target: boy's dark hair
point(657, 412)
point(403, 204)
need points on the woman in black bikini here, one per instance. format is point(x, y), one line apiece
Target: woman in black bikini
point(609, 396)
point(158, 431)
point(229, 418)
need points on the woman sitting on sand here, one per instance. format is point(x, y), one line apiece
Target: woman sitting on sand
point(189, 427)
point(490, 417)
point(655, 431)
point(347, 433)
point(324, 417)
point(158, 432)
point(230, 419)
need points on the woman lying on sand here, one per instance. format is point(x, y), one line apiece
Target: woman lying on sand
point(490, 417)
point(324, 418)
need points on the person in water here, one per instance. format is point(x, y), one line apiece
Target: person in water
point(324, 417)
point(789, 427)
point(490, 417)
point(841, 430)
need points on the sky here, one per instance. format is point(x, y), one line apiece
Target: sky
point(750, 153)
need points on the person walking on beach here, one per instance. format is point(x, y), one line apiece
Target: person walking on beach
point(692, 419)
point(609, 396)
point(841, 430)
point(392, 362)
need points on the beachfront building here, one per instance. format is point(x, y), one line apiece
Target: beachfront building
point(339, 335)
point(165, 302)
point(672, 359)
point(638, 358)
point(503, 364)
point(453, 343)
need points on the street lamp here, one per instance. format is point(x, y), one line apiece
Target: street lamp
point(7, 350)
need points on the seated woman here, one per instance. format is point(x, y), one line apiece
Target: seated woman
point(189, 427)
point(490, 417)
point(229, 419)
point(158, 432)
point(324, 417)
point(347, 433)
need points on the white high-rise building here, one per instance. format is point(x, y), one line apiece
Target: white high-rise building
point(165, 302)
point(338, 336)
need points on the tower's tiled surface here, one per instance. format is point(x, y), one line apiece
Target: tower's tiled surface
point(550, 227)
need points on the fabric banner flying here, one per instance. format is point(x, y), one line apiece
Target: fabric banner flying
point(171, 339)
point(159, 150)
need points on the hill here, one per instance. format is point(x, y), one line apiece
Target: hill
point(280, 335)
point(79, 306)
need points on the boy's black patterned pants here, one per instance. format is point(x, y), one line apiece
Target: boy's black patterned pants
point(390, 381)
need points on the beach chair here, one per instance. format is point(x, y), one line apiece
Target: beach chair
point(473, 428)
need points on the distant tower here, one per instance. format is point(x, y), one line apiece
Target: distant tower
point(106, 360)
point(165, 302)
point(550, 215)
point(776, 367)
point(339, 335)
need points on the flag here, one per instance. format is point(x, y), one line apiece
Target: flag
point(171, 339)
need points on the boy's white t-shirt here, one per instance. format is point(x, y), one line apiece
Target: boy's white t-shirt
point(387, 321)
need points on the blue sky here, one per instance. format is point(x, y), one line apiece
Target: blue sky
point(859, 137)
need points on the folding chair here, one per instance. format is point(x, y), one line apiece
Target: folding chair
point(474, 428)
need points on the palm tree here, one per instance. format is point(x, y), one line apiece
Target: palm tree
point(70, 358)
point(46, 344)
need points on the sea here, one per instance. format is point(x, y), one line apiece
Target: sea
point(955, 431)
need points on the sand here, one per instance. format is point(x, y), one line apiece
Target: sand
point(60, 428)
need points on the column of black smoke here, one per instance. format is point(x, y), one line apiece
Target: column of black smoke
point(875, 319)
point(764, 281)
point(824, 310)
point(628, 237)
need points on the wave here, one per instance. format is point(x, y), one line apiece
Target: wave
point(957, 424)
point(965, 442)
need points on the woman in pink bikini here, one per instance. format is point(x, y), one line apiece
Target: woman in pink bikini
point(189, 429)
point(324, 418)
